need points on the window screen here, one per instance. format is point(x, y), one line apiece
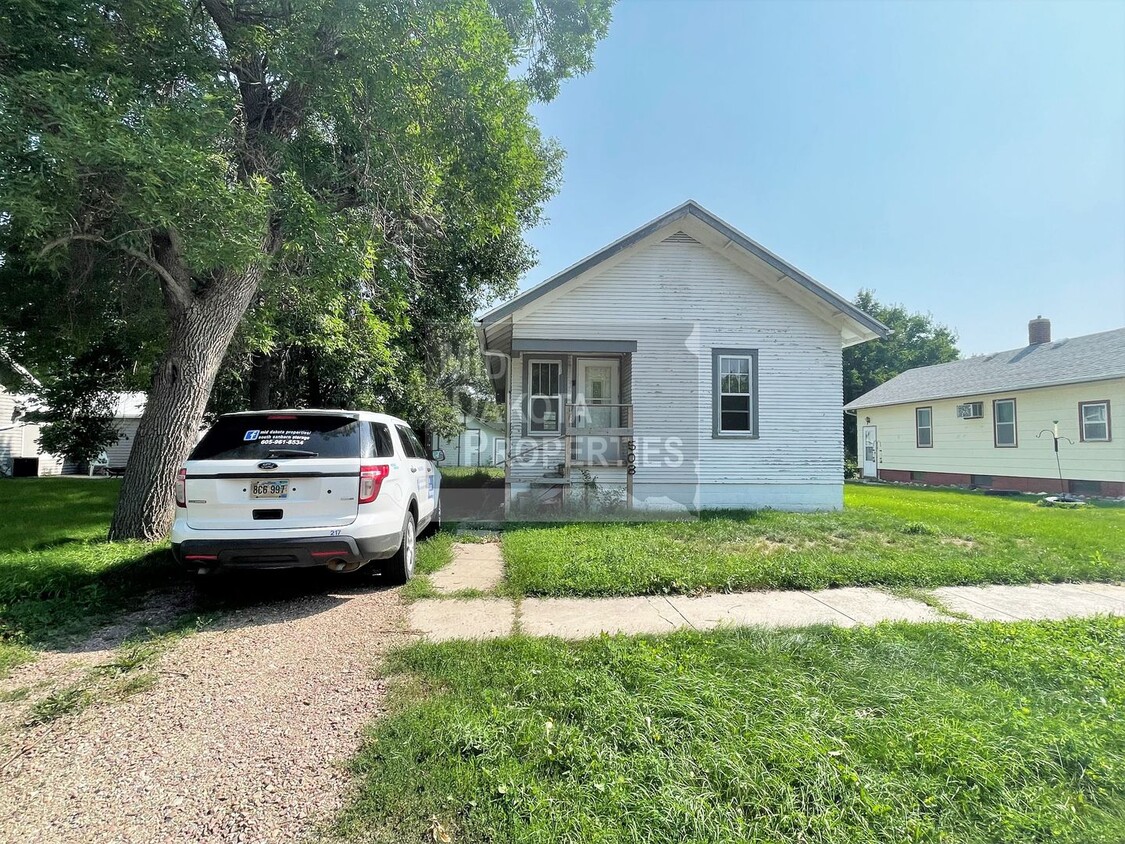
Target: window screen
point(1004, 422)
point(924, 427)
point(1095, 421)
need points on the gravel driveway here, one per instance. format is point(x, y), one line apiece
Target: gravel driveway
point(241, 739)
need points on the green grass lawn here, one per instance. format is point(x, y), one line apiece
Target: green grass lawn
point(925, 733)
point(58, 575)
point(891, 536)
point(472, 477)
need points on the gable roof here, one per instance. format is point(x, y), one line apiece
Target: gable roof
point(1092, 357)
point(864, 326)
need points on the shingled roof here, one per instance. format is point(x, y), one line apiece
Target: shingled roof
point(1093, 357)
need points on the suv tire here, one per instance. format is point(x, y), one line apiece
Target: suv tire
point(400, 567)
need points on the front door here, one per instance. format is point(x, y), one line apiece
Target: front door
point(472, 448)
point(870, 456)
point(597, 405)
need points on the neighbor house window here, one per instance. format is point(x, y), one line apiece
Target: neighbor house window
point(1004, 422)
point(734, 375)
point(1093, 419)
point(544, 397)
point(924, 427)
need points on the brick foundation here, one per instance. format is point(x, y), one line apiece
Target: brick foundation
point(1108, 489)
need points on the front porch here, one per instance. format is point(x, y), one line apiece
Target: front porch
point(571, 423)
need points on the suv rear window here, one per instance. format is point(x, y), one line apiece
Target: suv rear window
point(272, 435)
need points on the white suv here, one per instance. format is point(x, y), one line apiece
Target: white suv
point(294, 488)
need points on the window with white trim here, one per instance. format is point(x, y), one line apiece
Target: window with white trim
point(1004, 423)
point(1094, 417)
point(544, 397)
point(735, 376)
point(924, 427)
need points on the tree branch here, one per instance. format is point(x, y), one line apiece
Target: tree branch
point(177, 289)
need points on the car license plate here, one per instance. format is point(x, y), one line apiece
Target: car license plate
point(269, 489)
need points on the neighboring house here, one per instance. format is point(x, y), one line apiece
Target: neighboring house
point(19, 439)
point(480, 444)
point(681, 366)
point(127, 416)
point(988, 421)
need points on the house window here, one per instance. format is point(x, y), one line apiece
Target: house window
point(924, 427)
point(734, 375)
point(1004, 423)
point(544, 397)
point(1093, 420)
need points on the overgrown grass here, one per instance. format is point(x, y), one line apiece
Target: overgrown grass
point(472, 477)
point(58, 575)
point(891, 536)
point(923, 733)
point(434, 553)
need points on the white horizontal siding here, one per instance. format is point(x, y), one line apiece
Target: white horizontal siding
point(460, 448)
point(678, 301)
point(119, 452)
point(967, 446)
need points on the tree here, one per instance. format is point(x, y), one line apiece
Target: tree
point(81, 335)
point(207, 146)
point(916, 340)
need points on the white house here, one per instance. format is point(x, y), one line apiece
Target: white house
point(989, 421)
point(126, 417)
point(479, 444)
point(19, 438)
point(683, 365)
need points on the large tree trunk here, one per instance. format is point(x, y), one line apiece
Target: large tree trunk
point(200, 333)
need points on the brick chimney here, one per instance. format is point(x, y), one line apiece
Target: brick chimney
point(1038, 331)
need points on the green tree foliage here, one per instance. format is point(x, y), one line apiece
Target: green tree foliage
point(916, 340)
point(223, 149)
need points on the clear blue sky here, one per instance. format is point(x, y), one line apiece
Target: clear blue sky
point(966, 159)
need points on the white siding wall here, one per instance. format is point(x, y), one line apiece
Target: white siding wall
point(459, 449)
point(119, 452)
point(678, 301)
point(966, 446)
point(23, 441)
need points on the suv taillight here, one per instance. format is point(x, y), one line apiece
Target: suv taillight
point(181, 488)
point(370, 480)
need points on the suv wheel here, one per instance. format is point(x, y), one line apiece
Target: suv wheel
point(400, 567)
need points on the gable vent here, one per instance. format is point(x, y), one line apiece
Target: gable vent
point(680, 237)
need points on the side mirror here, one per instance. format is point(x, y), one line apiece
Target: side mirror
point(438, 455)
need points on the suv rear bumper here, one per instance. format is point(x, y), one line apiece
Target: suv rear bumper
point(283, 553)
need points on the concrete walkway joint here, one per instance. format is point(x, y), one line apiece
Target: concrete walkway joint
point(579, 618)
point(476, 565)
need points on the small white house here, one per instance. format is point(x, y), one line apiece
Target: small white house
point(479, 444)
point(989, 421)
point(126, 417)
point(682, 366)
point(19, 438)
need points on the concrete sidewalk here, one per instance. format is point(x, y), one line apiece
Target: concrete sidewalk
point(578, 618)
